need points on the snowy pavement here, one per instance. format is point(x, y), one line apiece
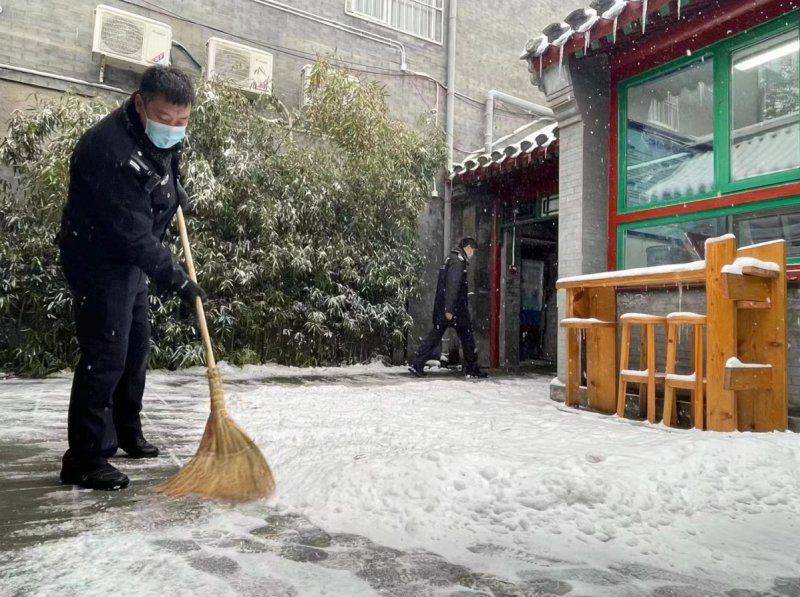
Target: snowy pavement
point(393, 486)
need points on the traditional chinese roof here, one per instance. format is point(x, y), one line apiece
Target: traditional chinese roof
point(603, 24)
point(512, 152)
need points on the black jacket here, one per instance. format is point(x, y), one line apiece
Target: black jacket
point(123, 193)
point(452, 290)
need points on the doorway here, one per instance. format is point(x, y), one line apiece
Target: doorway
point(531, 314)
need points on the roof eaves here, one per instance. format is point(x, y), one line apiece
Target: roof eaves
point(534, 147)
point(589, 27)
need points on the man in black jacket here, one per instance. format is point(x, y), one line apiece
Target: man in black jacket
point(451, 309)
point(124, 190)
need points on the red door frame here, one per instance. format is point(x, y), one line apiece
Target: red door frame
point(538, 180)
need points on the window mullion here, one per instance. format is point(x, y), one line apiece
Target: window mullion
point(622, 153)
point(722, 118)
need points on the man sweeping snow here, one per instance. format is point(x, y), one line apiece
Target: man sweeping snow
point(451, 309)
point(124, 191)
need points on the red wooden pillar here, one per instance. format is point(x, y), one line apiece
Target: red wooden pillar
point(494, 286)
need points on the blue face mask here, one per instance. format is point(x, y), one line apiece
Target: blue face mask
point(164, 136)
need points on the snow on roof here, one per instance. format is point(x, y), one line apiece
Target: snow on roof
point(594, 27)
point(520, 142)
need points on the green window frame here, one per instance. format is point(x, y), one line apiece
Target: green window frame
point(720, 54)
point(772, 207)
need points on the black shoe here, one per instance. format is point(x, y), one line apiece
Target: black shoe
point(99, 476)
point(417, 372)
point(140, 448)
point(476, 374)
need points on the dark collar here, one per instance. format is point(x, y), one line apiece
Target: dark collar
point(461, 255)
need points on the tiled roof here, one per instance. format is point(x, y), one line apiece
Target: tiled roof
point(594, 26)
point(518, 148)
point(773, 151)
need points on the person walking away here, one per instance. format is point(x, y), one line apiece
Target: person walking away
point(451, 309)
point(124, 190)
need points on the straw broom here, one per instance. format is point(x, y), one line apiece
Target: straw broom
point(228, 465)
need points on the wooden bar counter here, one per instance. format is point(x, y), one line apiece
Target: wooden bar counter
point(746, 346)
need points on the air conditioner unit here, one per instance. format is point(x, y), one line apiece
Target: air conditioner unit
point(239, 65)
point(129, 40)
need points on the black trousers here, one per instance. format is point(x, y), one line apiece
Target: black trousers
point(429, 349)
point(113, 329)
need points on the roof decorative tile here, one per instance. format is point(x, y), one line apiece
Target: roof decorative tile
point(582, 20)
point(558, 34)
point(586, 22)
point(540, 138)
point(610, 10)
point(535, 48)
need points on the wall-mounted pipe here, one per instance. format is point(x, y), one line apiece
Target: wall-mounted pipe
point(450, 119)
point(494, 95)
point(38, 73)
point(189, 54)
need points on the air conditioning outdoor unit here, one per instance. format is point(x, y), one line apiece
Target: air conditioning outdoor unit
point(244, 67)
point(129, 40)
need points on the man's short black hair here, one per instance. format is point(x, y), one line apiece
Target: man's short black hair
point(169, 82)
point(468, 241)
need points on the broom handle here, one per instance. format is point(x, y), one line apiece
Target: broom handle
point(201, 314)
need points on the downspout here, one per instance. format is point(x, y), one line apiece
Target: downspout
point(55, 77)
point(450, 120)
point(341, 26)
point(488, 116)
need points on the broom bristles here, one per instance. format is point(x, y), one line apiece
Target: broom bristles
point(228, 464)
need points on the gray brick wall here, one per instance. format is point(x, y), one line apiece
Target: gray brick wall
point(579, 97)
point(56, 36)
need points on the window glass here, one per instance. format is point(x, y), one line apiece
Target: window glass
point(418, 17)
point(372, 8)
point(678, 242)
point(764, 226)
point(670, 127)
point(765, 96)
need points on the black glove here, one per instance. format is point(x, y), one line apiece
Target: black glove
point(189, 291)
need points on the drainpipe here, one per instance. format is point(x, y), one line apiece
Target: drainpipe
point(55, 77)
point(450, 119)
point(341, 26)
point(488, 115)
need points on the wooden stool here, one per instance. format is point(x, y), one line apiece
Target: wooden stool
point(693, 381)
point(574, 326)
point(646, 378)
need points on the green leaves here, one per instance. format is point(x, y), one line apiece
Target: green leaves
point(303, 227)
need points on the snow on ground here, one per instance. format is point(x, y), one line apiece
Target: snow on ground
point(483, 479)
